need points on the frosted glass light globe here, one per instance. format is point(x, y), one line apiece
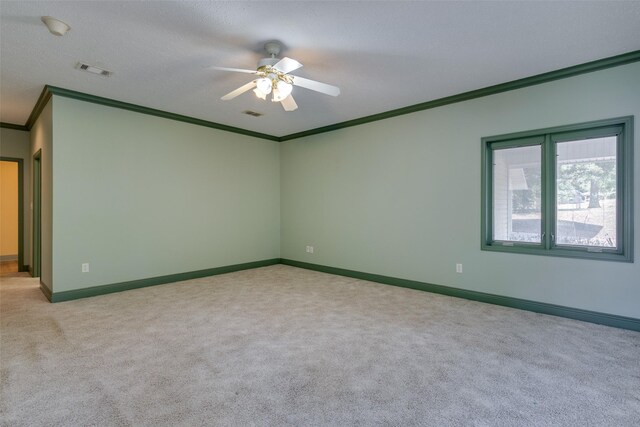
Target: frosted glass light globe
point(264, 85)
point(285, 89)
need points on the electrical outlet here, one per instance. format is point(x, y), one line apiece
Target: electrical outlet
point(310, 249)
point(458, 268)
point(85, 267)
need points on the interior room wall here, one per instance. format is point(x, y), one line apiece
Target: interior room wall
point(16, 144)
point(138, 196)
point(401, 197)
point(9, 211)
point(42, 140)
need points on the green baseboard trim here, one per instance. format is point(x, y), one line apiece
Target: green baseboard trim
point(46, 291)
point(152, 281)
point(522, 304)
point(23, 268)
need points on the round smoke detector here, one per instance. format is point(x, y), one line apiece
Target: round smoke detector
point(55, 26)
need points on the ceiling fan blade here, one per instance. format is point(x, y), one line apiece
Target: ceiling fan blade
point(237, 70)
point(287, 65)
point(317, 86)
point(289, 104)
point(239, 91)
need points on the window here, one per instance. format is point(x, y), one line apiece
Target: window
point(564, 191)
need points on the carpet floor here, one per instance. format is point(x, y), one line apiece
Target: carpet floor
point(285, 346)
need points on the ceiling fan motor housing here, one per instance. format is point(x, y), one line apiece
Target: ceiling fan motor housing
point(273, 48)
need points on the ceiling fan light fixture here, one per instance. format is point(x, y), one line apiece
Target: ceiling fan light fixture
point(264, 85)
point(260, 94)
point(272, 77)
point(284, 89)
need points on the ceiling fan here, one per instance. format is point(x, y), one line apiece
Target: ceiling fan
point(273, 78)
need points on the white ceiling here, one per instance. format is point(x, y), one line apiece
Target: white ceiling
point(383, 55)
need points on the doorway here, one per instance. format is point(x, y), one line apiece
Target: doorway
point(11, 216)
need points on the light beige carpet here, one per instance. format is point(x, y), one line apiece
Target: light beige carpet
point(285, 346)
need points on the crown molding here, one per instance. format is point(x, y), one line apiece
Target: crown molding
point(563, 73)
point(6, 125)
point(44, 97)
point(67, 93)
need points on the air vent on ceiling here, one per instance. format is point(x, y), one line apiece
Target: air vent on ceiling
point(252, 113)
point(93, 69)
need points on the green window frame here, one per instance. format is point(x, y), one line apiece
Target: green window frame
point(544, 243)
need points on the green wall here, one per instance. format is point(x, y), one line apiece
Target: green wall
point(138, 196)
point(401, 197)
point(42, 140)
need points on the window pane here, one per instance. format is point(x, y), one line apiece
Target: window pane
point(586, 192)
point(516, 203)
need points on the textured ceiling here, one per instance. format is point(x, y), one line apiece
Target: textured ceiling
point(383, 55)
